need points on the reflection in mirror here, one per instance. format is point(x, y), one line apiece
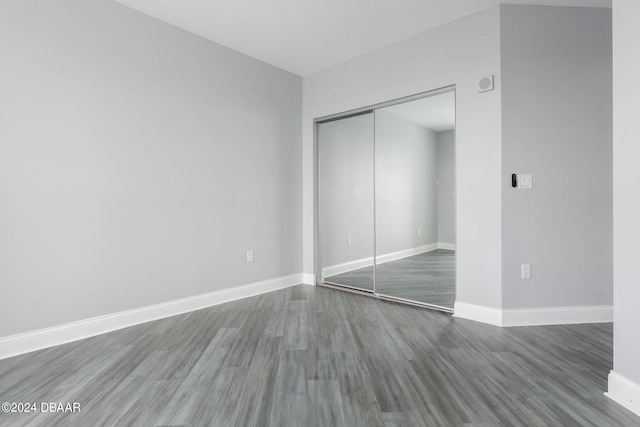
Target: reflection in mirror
point(414, 200)
point(345, 201)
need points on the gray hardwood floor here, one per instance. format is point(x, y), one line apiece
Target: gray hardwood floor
point(427, 278)
point(312, 356)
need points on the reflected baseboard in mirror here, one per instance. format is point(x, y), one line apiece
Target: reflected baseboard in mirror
point(427, 278)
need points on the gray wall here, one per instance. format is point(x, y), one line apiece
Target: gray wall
point(458, 53)
point(138, 163)
point(446, 187)
point(406, 184)
point(626, 205)
point(556, 125)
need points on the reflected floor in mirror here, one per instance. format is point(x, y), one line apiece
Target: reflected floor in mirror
point(428, 278)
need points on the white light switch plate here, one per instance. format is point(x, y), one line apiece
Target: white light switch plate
point(525, 182)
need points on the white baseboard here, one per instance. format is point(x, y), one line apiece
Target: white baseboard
point(447, 246)
point(308, 279)
point(557, 315)
point(534, 316)
point(345, 267)
point(380, 259)
point(478, 313)
point(394, 256)
point(61, 334)
point(624, 391)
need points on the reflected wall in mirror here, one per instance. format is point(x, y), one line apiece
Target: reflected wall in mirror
point(414, 190)
point(345, 201)
point(386, 201)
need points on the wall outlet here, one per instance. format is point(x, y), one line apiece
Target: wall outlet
point(526, 271)
point(418, 232)
point(348, 241)
point(250, 255)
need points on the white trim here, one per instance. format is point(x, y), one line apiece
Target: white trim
point(394, 256)
point(557, 315)
point(345, 267)
point(447, 246)
point(624, 391)
point(534, 316)
point(61, 334)
point(492, 316)
point(308, 279)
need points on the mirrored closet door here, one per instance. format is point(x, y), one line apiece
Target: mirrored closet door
point(345, 201)
point(386, 201)
point(414, 189)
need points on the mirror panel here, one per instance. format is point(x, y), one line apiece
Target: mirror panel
point(414, 200)
point(346, 201)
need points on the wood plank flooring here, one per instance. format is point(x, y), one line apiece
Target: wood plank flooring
point(428, 277)
point(312, 356)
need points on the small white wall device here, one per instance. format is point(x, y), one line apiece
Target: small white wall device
point(486, 83)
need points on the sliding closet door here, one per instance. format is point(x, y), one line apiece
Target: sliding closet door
point(346, 201)
point(414, 197)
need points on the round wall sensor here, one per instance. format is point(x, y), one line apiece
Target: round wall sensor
point(486, 83)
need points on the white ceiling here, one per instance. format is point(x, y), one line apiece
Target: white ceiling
point(304, 36)
point(437, 113)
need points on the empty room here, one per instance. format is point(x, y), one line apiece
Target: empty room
point(293, 213)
